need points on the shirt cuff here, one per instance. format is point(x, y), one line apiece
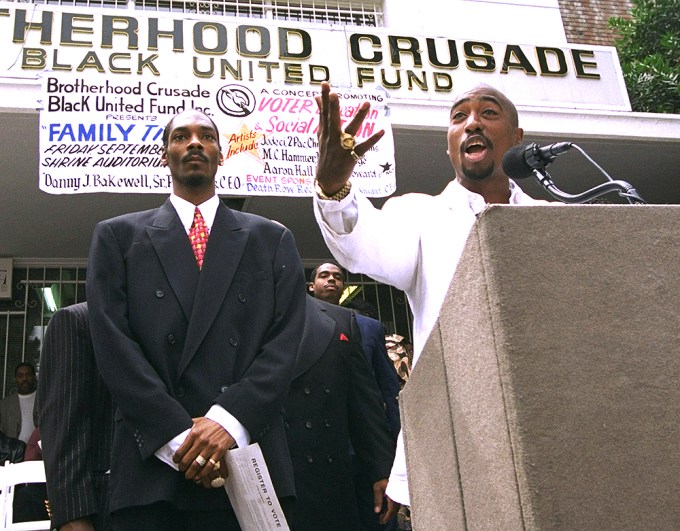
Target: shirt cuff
point(217, 414)
point(339, 216)
point(225, 419)
point(397, 486)
point(165, 452)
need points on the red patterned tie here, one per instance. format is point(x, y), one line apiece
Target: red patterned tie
point(198, 236)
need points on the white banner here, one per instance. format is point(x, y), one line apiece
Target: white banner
point(105, 135)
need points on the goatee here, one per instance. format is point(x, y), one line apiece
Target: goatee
point(478, 174)
point(194, 181)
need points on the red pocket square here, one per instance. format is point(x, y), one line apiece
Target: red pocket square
point(343, 337)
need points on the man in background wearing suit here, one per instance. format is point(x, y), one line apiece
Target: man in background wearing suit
point(76, 424)
point(333, 401)
point(196, 342)
point(327, 283)
point(19, 412)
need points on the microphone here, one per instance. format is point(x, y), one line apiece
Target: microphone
point(519, 162)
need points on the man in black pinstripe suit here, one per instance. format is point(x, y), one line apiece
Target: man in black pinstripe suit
point(76, 424)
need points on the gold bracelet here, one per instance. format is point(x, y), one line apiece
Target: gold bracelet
point(337, 196)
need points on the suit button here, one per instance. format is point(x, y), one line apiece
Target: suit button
point(241, 297)
point(310, 460)
point(233, 342)
point(307, 391)
point(180, 392)
point(160, 293)
point(327, 424)
point(329, 459)
point(171, 339)
point(308, 424)
point(224, 388)
point(327, 391)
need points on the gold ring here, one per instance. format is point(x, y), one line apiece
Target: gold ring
point(215, 464)
point(217, 483)
point(200, 460)
point(356, 157)
point(347, 141)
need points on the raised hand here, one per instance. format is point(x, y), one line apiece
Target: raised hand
point(338, 150)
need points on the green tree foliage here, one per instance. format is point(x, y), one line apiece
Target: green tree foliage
point(649, 51)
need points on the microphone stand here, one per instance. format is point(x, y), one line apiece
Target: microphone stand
point(623, 188)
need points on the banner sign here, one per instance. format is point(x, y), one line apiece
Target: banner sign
point(110, 43)
point(112, 78)
point(105, 135)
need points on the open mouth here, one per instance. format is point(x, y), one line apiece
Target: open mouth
point(475, 148)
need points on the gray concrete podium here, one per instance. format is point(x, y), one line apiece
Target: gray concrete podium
point(548, 394)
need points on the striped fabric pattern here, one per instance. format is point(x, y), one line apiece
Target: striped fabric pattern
point(76, 420)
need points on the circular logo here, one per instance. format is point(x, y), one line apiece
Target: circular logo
point(235, 100)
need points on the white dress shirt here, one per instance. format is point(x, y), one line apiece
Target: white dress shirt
point(413, 243)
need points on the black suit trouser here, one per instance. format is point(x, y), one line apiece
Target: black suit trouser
point(163, 516)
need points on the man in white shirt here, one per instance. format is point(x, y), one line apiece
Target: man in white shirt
point(415, 241)
point(18, 412)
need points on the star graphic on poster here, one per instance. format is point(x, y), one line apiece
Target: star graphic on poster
point(244, 141)
point(386, 167)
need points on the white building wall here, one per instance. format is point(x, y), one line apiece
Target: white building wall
point(516, 21)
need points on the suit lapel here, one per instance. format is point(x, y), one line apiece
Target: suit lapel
point(318, 333)
point(174, 252)
point(225, 246)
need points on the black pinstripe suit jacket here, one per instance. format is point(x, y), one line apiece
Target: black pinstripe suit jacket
point(76, 421)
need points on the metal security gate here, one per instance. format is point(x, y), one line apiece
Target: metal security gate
point(37, 291)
